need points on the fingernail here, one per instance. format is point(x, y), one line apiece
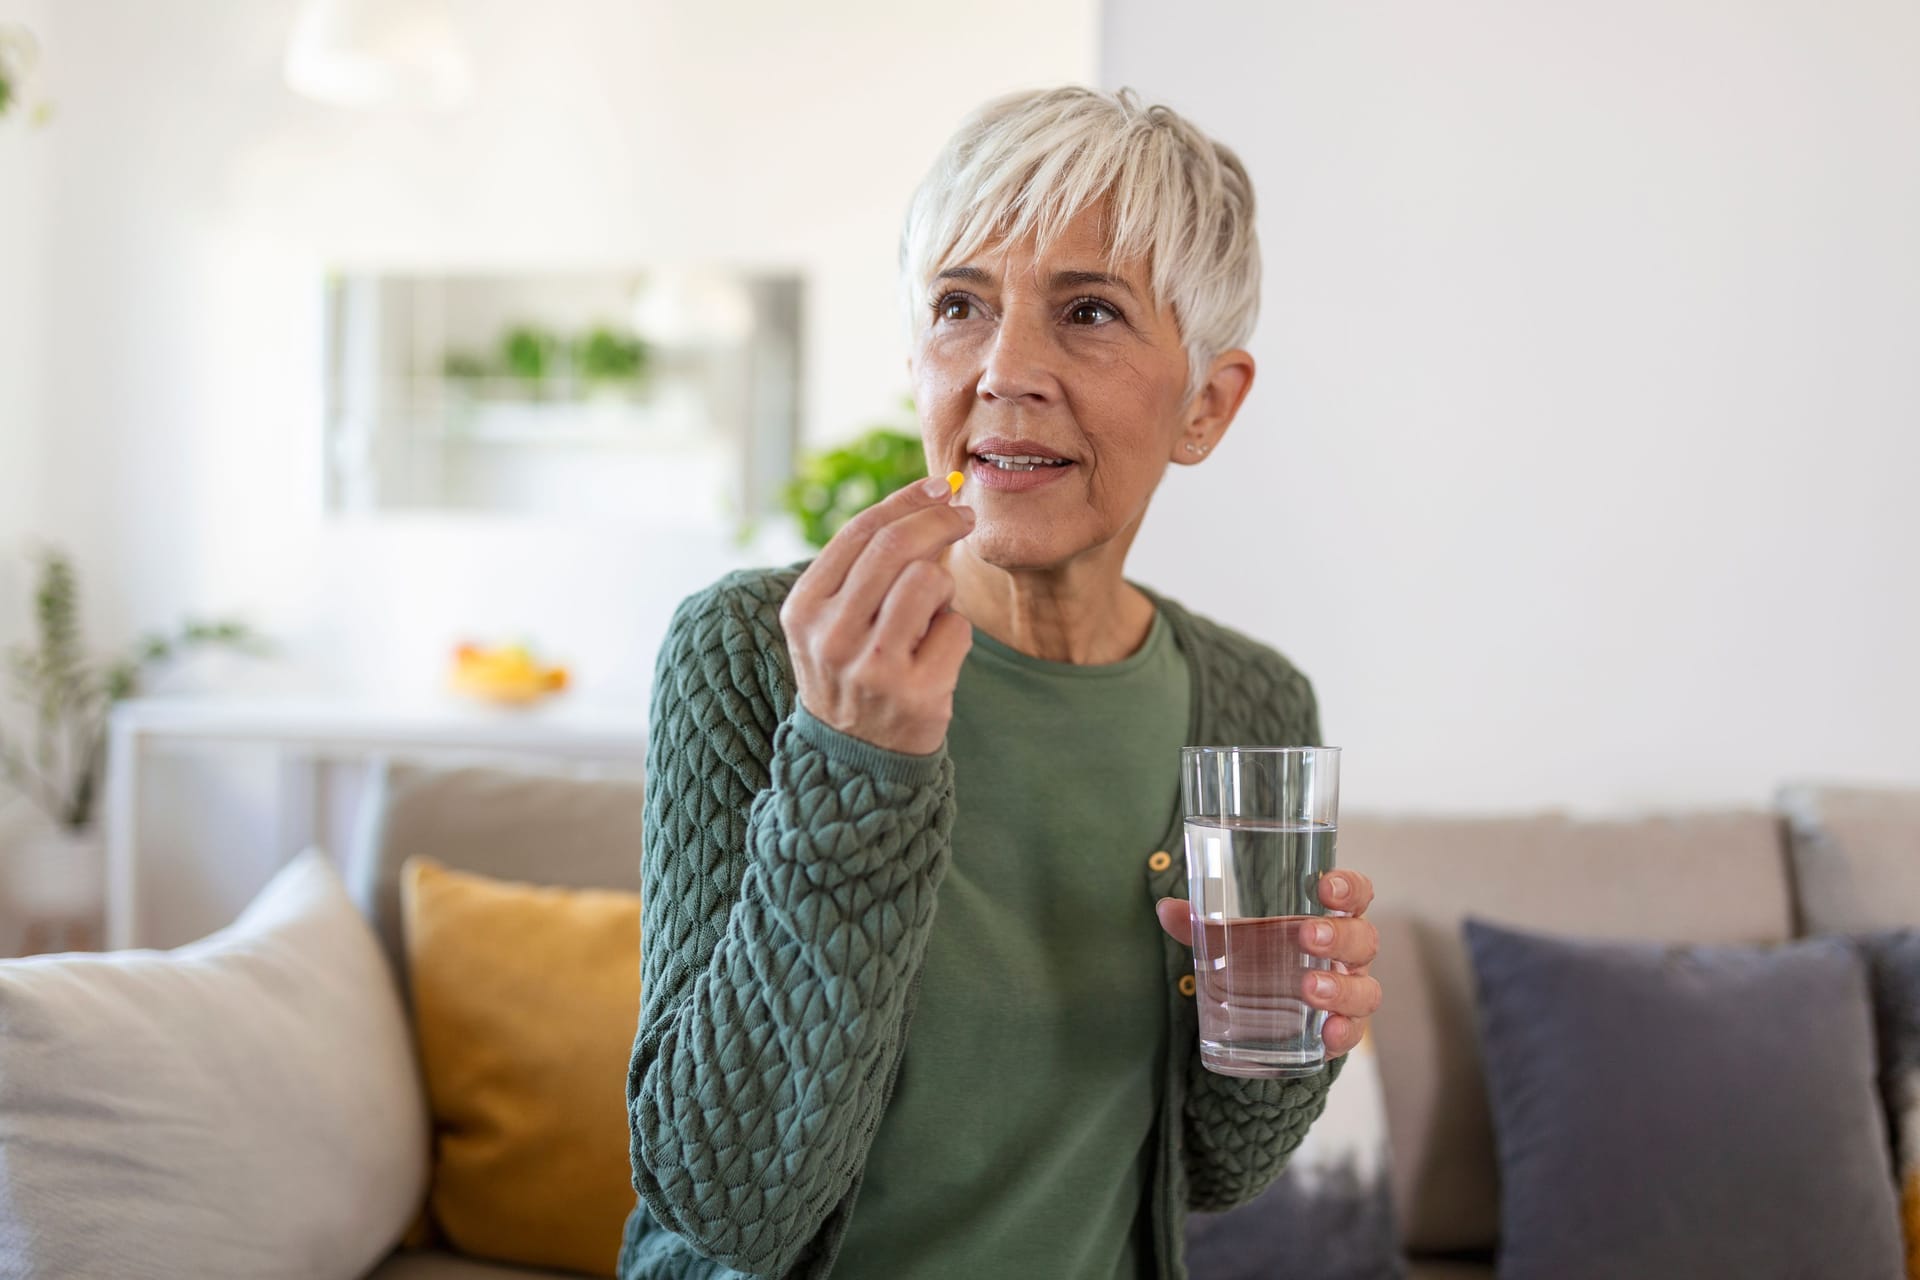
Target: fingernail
point(1320, 934)
point(1336, 886)
point(966, 513)
point(935, 487)
point(1324, 986)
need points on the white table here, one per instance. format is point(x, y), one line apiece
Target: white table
point(305, 733)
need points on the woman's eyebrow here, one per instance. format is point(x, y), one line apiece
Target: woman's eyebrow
point(1059, 280)
point(972, 275)
point(1082, 279)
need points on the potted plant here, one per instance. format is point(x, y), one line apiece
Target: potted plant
point(609, 363)
point(529, 354)
point(834, 485)
point(19, 52)
point(57, 761)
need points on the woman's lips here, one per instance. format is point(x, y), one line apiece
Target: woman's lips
point(988, 476)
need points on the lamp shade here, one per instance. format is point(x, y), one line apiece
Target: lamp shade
point(365, 53)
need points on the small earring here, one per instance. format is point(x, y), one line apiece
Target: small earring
point(1196, 448)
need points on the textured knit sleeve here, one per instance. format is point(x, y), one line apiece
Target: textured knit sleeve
point(788, 877)
point(1240, 1133)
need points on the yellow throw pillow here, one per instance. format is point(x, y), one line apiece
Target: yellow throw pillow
point(525, 1003)
point(1910, 1210)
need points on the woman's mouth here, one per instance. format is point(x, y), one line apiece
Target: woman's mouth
point(1020, 462)
point(1012, 472)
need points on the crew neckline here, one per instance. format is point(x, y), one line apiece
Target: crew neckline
point(1157, 637)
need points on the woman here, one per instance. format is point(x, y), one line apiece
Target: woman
point(964, 702)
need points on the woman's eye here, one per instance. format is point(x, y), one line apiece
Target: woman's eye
point(954, 307)
point(1090, 311)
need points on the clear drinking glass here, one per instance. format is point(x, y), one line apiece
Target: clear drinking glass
point(1261, 826)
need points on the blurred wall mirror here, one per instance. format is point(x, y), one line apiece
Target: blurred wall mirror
point(668, 396)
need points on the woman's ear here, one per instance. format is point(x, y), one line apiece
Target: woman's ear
point(1213, 406)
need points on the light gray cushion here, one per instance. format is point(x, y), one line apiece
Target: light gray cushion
point(538, 827)
point(1713, 877)
point(245, 1107)
point(1684, 1111)
point(1856, 856)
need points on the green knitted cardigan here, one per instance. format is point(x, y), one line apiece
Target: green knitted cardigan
point(789, 874)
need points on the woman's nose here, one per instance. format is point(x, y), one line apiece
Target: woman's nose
point(1019, 363)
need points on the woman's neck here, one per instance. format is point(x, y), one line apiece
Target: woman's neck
point(1083, 612)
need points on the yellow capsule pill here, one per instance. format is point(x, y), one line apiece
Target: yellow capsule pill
point(954, 480)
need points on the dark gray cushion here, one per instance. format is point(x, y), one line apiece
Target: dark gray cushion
point(1348, 1220)
point(1895, 957)
point(1684, 1111)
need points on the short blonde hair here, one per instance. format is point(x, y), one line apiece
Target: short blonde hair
point(1029, 163)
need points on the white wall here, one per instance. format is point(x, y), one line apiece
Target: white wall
point(24, 159)
point(1582, 459)
point(25, 155)
point(196, 202)
point(1577, 469)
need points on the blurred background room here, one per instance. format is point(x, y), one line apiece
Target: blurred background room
point(375, 380)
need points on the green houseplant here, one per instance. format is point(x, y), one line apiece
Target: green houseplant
point(834, 485)
point(57, 762)
point(19, 52)
point(604, 356)
point(55, 877)
point(528, 353)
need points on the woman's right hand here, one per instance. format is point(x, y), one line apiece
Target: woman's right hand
point(876, 648)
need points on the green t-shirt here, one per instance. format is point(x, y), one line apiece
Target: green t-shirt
point(1019, 1139)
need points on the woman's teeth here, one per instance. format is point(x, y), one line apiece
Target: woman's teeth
point(1020, 462)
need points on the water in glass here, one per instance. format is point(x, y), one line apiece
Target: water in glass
point(1253, 884)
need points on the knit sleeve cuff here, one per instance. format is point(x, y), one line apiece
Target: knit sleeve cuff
point(861, 756)
point(1286, 1094)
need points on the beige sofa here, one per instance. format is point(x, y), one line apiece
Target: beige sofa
point(1827, 859)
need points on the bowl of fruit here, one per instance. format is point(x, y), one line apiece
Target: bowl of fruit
point(505, 674)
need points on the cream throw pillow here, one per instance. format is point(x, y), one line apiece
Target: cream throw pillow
point(245, 1107)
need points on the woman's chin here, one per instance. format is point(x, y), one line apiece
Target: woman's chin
point(1019, 550)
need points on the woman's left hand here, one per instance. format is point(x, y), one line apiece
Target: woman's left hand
point(1349, 940)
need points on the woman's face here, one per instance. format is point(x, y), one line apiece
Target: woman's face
point(1058, 387)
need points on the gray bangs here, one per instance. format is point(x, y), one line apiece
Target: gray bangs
point(1028, 164)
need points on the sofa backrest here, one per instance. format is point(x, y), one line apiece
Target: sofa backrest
point(546, 828)
point(1713, 878)
point(1717, 877)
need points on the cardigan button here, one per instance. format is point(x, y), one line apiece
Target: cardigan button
point(1186, 984)
point(1160, 860)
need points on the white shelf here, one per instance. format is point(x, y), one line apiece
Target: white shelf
point(668, 422)
point(305, 732)
point(562, 725)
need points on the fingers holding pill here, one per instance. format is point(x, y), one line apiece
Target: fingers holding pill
point(829, 569)
point(875, 643)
